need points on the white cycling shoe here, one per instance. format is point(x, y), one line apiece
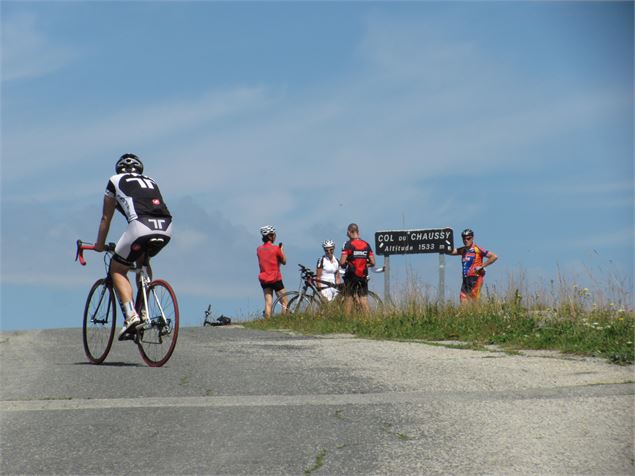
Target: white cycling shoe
point(128, 325)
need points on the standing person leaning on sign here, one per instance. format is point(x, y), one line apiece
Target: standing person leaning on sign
point(473, 267)
point(269, 259)
point(357, 256)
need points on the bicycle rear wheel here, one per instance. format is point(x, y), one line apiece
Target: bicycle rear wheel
point(375, 304)
point(156, 339)
point(100, 319)
point(278, 308)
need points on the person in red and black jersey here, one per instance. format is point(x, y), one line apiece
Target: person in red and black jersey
point(270, 257)
point(357, 256)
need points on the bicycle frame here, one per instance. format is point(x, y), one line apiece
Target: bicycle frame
point(308, 280)
point(144, 281)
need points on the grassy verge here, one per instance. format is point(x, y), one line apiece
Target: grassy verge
point(606, 333)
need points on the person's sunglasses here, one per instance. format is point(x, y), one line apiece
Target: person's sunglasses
point(328, 249)
point(469, 237)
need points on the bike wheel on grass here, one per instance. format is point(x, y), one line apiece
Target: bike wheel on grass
point(375, 304)
point(100, 319)
point(156, 338)
point(302, 304)
point(277, 308)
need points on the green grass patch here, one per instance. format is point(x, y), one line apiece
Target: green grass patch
point(319, 461)
point(606, 333)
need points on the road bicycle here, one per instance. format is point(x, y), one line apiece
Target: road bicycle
point(309, 299)
point(208, 319)
point(156, 305)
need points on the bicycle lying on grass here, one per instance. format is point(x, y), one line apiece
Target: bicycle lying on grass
point(309, 299)
point(156, 304)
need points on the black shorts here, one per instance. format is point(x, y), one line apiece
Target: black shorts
point(469, 283)
point(355, 286)
point(277, 286)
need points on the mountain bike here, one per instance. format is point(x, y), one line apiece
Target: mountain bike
point(156, 305)
point(309, 299)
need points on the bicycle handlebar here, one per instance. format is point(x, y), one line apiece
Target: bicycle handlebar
point(81, 246)
point(305, 270)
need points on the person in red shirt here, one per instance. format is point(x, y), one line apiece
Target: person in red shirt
point(270, 257)
point(473, 266)
point(357, 256)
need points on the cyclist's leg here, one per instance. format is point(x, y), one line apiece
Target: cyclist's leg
point(268, 295)
point(363, 303)
point(283, 303)
point(476, 292)
point(119, 274)
point(361, 295)
point(467, 289)
point(348, 292)
point(119, 267)
point(282, 295)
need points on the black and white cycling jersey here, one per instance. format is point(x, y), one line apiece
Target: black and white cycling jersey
point(137, 196)
point(149, 221)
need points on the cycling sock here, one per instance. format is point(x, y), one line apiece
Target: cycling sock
point(128, 309)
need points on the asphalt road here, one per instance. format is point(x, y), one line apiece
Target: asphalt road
point(241, 402)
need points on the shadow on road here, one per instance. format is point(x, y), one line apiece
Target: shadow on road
point(111, 364)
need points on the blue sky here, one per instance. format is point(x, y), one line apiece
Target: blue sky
point(512, 118)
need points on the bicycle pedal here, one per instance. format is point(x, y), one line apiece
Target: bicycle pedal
point(128, 336)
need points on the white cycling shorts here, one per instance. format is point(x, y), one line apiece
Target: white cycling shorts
point(329, 293)
point(144, 235)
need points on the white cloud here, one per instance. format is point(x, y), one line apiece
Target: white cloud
point(27, 52)
point(140, 126)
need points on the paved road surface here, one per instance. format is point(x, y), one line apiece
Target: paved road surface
point(237, 401)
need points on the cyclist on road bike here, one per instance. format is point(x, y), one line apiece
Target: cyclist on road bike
point(269, 259)
point(328, 270)
point(473, 266)
point(357, 256)
point(138, 198)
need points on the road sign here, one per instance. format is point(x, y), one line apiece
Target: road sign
point(402, 242)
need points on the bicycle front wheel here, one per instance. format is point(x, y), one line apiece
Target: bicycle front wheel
point(100, 319)
point(303, 304)
point(156, 338)
point(278, 307)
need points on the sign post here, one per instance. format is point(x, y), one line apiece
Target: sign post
point(441, 278)
point(401, 242)
point(387, 297)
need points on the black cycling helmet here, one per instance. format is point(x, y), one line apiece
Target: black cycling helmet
point(129, 163)
point(467, 232)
